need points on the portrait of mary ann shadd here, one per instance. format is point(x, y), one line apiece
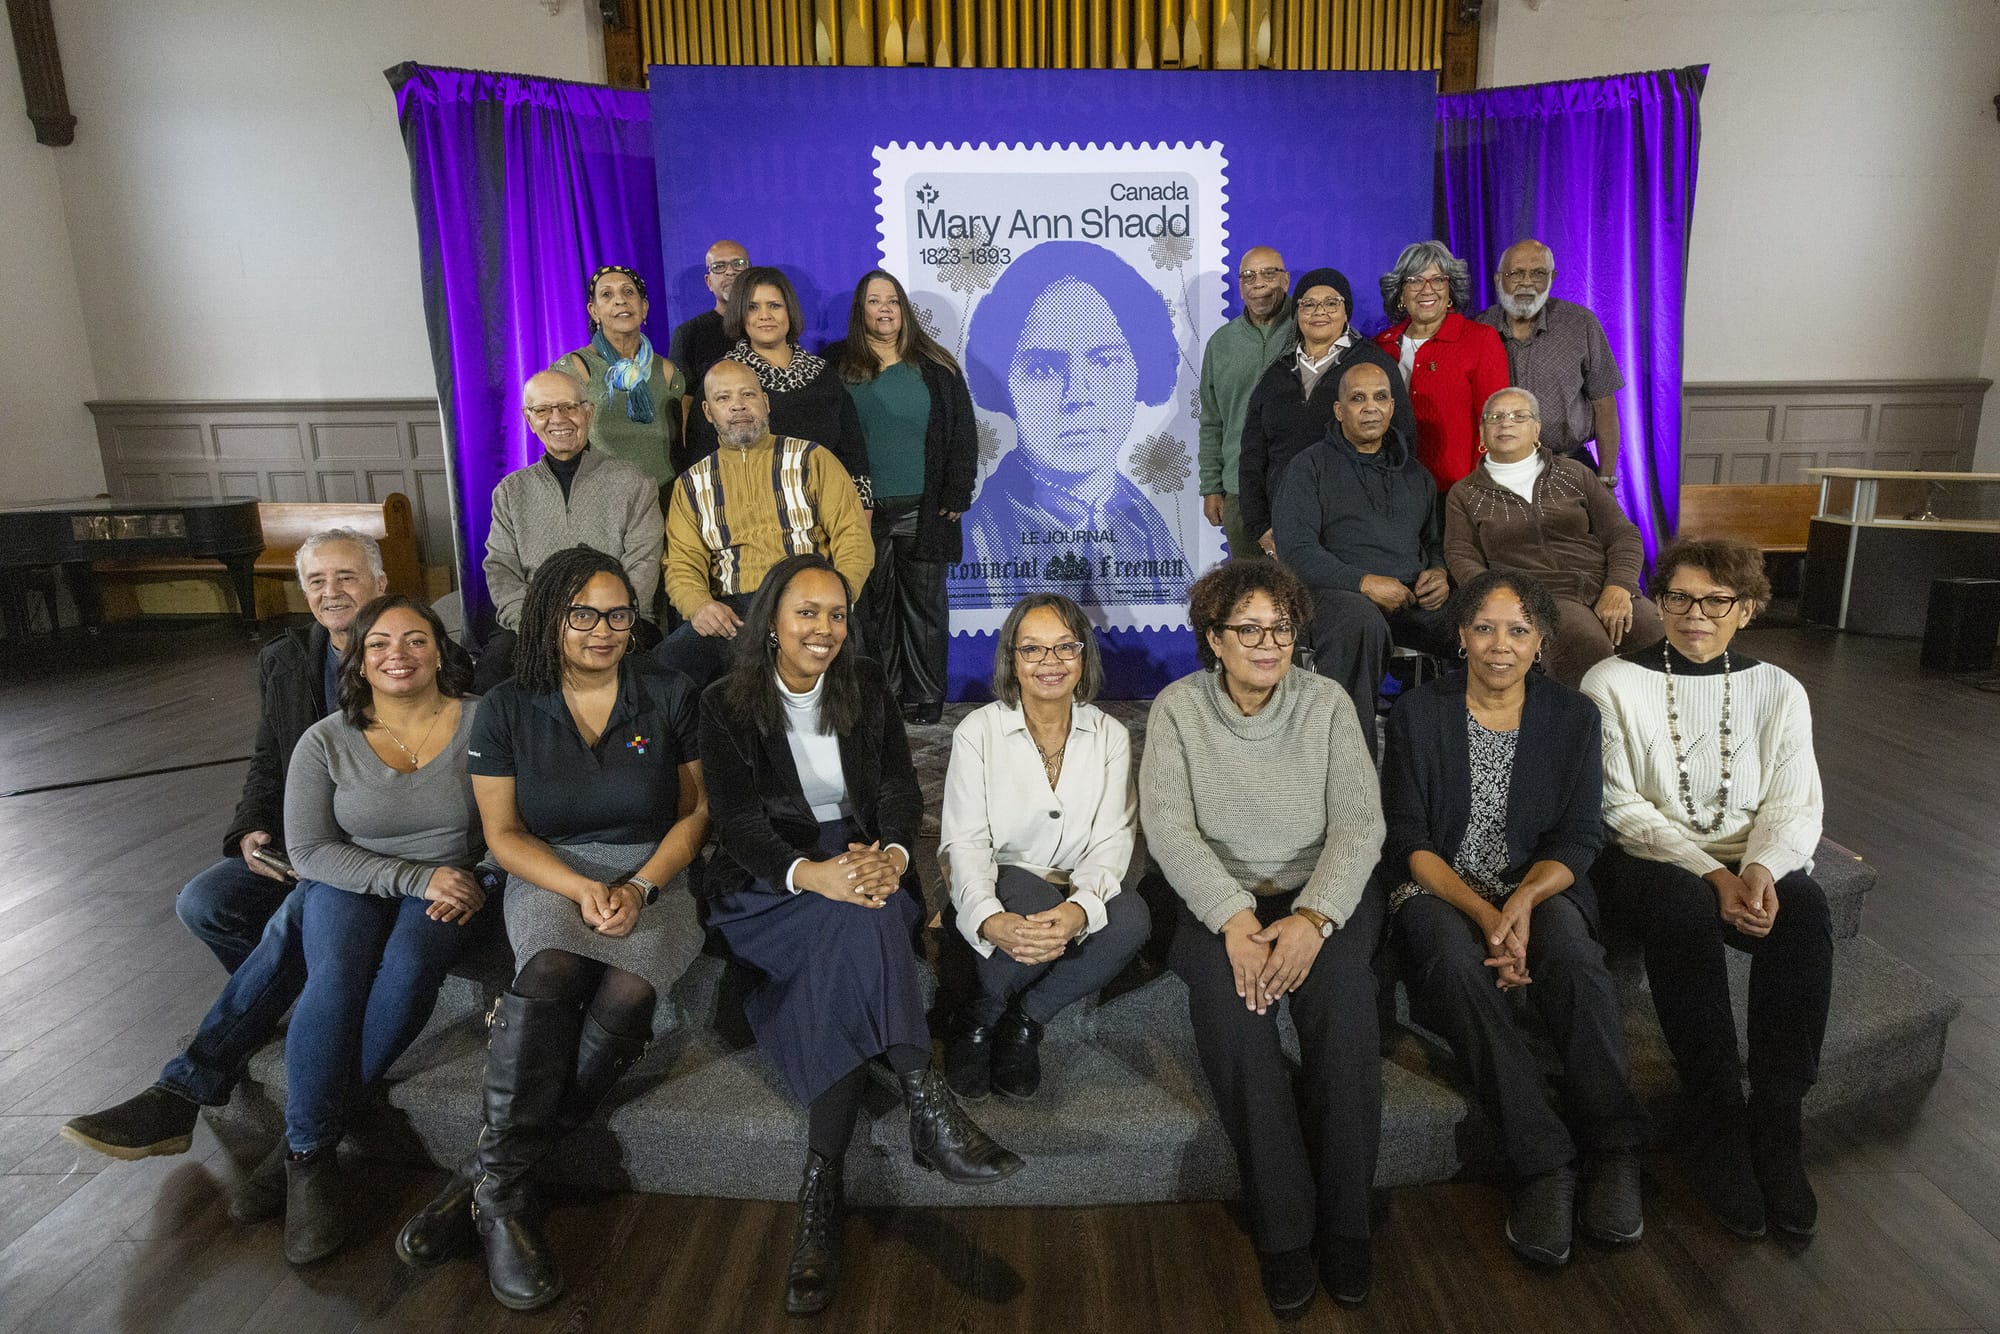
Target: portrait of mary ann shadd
point(1067, 344)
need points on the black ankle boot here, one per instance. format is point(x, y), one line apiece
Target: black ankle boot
point(944, 1139)
point(1777, 1151)
point(442, 1230)
point(315, 1206)
point(530, 1053)
point(968, 1059)
point(602, 1058)
point(809, 1282)
point(1017, 1056)
point(1723, 1171)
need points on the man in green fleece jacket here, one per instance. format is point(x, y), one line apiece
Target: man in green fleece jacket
point(1232, 363)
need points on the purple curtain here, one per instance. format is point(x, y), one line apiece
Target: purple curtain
point(523, 187)
point(1603, 171)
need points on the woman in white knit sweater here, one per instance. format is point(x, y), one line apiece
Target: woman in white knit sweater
point(1260, 805)
point(1713, 795)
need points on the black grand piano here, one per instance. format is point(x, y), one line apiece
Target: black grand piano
point(69, 534)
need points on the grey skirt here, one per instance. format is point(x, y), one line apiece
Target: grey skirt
point(666, 940)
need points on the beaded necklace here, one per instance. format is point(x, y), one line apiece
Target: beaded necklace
point(1695, 821)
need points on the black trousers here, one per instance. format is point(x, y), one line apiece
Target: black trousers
point(701, 657)
point(1307, 1157)
point(909, 625)
point(1045, 990)
point(1351, 639)
point(1452, 992)
point(1676, 914)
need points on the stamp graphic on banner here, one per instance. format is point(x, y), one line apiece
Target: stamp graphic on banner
point(1077, 286)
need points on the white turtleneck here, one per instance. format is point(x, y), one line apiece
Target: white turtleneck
point(816, 753)
point(1519, 476)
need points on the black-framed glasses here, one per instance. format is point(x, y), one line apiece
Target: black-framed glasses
point(722, 266)
point(1033, 654)
point(1715, 606)
point(579, 617)
point(569, 407)
point(1516, 275)
point(1250, 634)
point(1331, 305)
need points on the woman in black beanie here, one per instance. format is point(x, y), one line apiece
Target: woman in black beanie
point(1292, 406)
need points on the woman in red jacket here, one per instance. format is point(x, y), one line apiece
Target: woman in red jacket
point(1450, 363)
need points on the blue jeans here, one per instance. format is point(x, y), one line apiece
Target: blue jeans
point(373, 969)
point(226, 907)
point(247, 1012)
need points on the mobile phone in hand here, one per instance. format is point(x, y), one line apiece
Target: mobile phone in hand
point(276, 861)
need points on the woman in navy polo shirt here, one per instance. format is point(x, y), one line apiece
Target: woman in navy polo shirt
point(590, 790)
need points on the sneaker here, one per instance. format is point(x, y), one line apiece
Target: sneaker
point(1538, 1224)
point(1347, 1269)
point(158, 1121)
point(1289, 1281)
point(1611, 1210)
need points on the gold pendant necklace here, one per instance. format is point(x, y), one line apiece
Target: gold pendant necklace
point(416, 760)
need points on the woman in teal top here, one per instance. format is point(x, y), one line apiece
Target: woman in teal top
point(923, 453)
point(637, 392)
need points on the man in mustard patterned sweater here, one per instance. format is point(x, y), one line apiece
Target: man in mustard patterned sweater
point(741, 510)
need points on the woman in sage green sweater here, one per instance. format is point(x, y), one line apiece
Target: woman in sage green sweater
point(1262, 808)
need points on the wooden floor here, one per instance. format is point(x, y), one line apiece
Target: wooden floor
point(98, 982)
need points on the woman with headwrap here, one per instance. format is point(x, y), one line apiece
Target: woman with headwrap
point(636, 390)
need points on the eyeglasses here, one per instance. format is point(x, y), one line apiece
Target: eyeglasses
point(1251, 635)
point(1437, 281)
point(1715, 606)
point(568, 408)
point(579, 617)
point(1514, 418)
point(722, 266)
point(1516, 275)
point(1260, 275)
point(1033, 654)
point(1332, 305)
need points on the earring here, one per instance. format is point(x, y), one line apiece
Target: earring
point(771, 640)
point(1461, 651)
point(1539, 652)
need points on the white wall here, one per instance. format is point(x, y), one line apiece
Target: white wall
point(47, 446)
point(1847, 219)
point(238, 200)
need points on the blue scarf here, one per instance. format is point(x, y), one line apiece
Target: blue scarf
point(630, 374)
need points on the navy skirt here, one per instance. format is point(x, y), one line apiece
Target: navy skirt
point(838, 983)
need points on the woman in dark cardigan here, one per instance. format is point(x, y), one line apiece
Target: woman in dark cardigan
point(923, 454)
point(1488, 894)
point(816, 808)
point(1292, 405)
point(808, 401)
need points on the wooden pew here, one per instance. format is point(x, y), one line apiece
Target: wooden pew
point(287, 525)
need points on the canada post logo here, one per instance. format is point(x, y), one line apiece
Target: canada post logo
point(927, 193)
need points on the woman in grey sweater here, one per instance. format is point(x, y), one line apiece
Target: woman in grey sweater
point(381, 828)
point(1261, 806)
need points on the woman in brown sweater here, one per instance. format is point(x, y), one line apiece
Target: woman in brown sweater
point(1524, 508)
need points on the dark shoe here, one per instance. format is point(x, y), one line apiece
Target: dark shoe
point(944, 1139)
point(1347, 1268)
point(262, 1194)
point(157, 1121)
point(1727, 1182)
point(531, 1052)
point(1777, 1151)
point(1538, 1224)
point(602, 1058)
point(1611, 1210)
point(1017, 1056)
point(924, 715)
point(443, 1229)
point(1289, 1281)
point(315, 1206)
point(968, 1060)
point(815, 1267)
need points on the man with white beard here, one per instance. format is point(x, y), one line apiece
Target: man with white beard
point(1558, 352)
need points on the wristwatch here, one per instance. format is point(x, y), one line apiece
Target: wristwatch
point(646, 887)
point(1319, 921)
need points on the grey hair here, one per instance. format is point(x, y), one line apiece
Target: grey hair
point(1534, 404)
point(369, 548)
point(1548, 254)
point(582, 385)
point(1417, 257)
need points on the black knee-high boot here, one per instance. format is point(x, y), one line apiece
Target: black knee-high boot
point(602, 1058)
point(530, 1054)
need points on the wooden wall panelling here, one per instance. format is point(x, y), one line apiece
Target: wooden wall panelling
point(1771, 432)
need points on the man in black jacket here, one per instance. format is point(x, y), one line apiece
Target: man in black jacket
point(1357, 519)
point(228, 905)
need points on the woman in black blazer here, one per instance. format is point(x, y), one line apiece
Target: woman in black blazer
point(816, 808)
point(1492, 786)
